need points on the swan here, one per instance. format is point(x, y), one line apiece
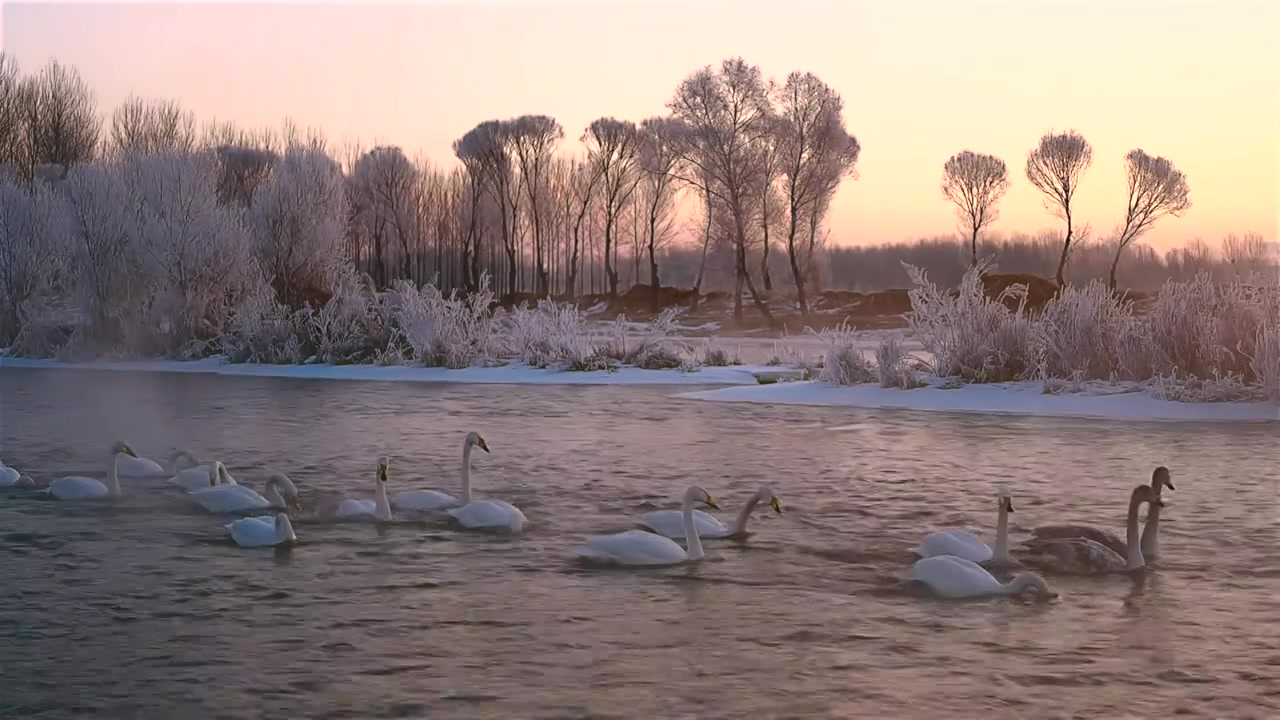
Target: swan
point(196, 475)
point(1150, 529)
point(953, 578)
point(966, 545)
point(487, 514)
point(377, 509)
point(1084, 556)
point(134, 466)
point(643, 548)
point(280, 493)
point(670, 523)
point(425, 500)
point(75, 487)
point(261, 531)
point(8, 476)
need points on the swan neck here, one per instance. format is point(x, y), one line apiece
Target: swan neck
point(744, 515)
point(182, 455)
point(273, 495)
point(284, 528)
point(1150, 541)
point(693, 543)
point(113, 475)
point(466, 473)
point(1002, 532)
point(1134, 559)
point(383, 505)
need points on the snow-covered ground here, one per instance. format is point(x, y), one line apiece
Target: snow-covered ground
point(1113, 402)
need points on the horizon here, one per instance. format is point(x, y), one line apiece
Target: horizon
point(403, 91)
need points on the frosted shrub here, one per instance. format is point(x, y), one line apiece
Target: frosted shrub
point(971, 336)
point(32, 245)
point(650, 342)
point(549, 334)
point(101, 272)
point(1084, 331)
point(352, 327)
point(844, 363)
point(894, 365)
point(1265, 362)
point(1199, 330)
point(450, 332)
point(264, 331)
point(715, 355)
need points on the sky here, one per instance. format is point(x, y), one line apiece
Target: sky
point(1197, 81)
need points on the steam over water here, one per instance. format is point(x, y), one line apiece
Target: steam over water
point(143, 608)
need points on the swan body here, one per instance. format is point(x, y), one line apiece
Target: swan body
point(953, 577)
point(639, 548)
point(134, 466)
point(1085, 556)
point(196, 475)
point(376, 509)
point(670, 523)
point(261, 531)
point(75, 487)
point(280, 492)
point(431, 500)
point(966, 545)
point(8, 476)
point(487, 514)
point(1150, 542)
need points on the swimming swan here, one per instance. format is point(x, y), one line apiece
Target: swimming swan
point(377, 509)
point(196, 475)
point(670, 523)
point(486, 514)
point(8, 476)
point(75, 487)
point(280, 493)
point(262, 531)
point(645, 549)
point(1084, 556)
point(134, 466)
point(954, 578)
point(966, 545)
point(424, 500)
point(1150, 529)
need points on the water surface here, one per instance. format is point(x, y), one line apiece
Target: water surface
point(142, 608)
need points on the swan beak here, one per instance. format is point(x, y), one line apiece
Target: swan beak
point(1008, 505)
point(775, 504)
point(711, 503)
point(382, 472)
point(128, 451)
point(1169, 484)
point(480, 443)
point(293, 502)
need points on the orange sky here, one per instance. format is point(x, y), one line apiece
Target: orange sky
point(1195, 80)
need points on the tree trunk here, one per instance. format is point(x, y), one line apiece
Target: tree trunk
point(973, 244)
point(1062, 260)
point(611, 273)
point(764, 263)
point(1115, 262)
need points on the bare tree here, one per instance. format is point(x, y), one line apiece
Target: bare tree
point(1156, 188)
point(613, 149)
point(659, 160)
point(729, 113)
point(1247, 254)
point(31, 246)
point(388, 183)
point(487, 148)
point(242, 170)
point(533, 139)
point(12, 105)
point(975, 183)
point(1054, 167)
point(586, 181)
point(817, 154)
point(149, 127)
point(62, 120)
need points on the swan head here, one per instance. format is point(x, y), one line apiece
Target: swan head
point(473, 438)
point(1160, 479)
point(122, 448)
point(766, 493)
point(696, 494)
point(1032, 581)
point(1145, 494)
point(287, 490)
point(383, 463)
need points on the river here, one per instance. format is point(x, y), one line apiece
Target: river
point(143, 608)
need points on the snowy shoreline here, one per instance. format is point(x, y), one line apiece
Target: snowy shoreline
point(1126, 402)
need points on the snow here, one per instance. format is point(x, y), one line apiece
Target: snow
point(1112, 402)
point(511, 374)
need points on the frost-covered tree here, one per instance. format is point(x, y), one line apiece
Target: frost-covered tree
point(1055, 167)
point(816, 154)
point(388, 184)
point(660, 139)
point(100, 223)
point(242, 169)
point(533, 139)
point(1156, 188)
point(585, 184)
point(62, 125)
point(730, 115)
point(12, 100)
point(146, 127)
point(296, 224)
point(613, 149)
point(32, 237)
point(487, 149)
point(975, 183)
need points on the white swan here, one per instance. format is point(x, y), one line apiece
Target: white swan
point(966, 545)
point(75, 487)
point(1083, 556)
point(376, 509)
point(485, 514)
point(1150, 529)
point(262, 531)
point(196, 475)
point(280, 493)
point(8, 476)
point(953, 578)
point(134, 466)
point(670, 523)
point(427, 500)
point(646, 549)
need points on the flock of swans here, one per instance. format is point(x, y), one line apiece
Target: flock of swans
point(953, 563)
